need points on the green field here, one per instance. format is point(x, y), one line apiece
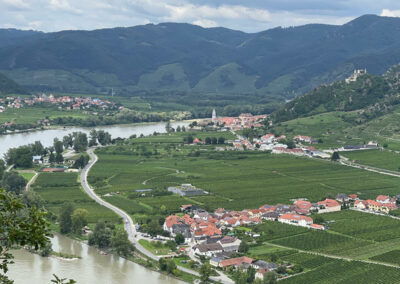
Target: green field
point(27, 176)
point(58, 188)
point(347, 272)
point(235, 180)
point(156, 248)
point(33, 114)
point(389, 257)
point(376, 158)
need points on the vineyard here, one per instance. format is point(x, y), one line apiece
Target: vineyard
point(59, 188)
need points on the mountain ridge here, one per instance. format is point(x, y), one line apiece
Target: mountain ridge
point(279, 62)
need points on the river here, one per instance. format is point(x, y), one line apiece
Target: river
point(93, 267)
point(47, 136)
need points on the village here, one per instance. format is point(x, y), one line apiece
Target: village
point(63, 102)
point(211, 235)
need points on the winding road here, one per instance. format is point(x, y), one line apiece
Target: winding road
point(128, 222)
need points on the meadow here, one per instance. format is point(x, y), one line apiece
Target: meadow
point(59, 188)
point(383, 159)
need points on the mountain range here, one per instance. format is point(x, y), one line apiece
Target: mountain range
point(172, 57)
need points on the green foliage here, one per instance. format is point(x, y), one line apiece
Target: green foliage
point(335, 156)
point(121, 244)
point(8, 86)
point(243, 247)
point(79, 220)
point(101, 236)
point(58, 280)
point(80, 142)
point(205, 272)
point(13, 182)
point(65, 218)
point(19, 226)
point(179, 239)
point(20, 157)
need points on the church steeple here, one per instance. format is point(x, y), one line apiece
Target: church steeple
point(214, 115)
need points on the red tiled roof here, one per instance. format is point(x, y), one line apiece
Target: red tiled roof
point(329, 203)
point(235, 261)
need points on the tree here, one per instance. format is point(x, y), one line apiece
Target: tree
point(318, 219)
point(171, 244)
point(58, 146)
point(13, 182)
point(81, 162)
point(46, 250)
point(214, 140)
point(103, 137)
point(251, 274)
point(281, 269)
point(19, 226)
point(93, 138)
point(65, 219)
point(335, 156)
point(101, 236)
point(179, 239)
point(37, 149)
point(243, 247)
point(68, 141)
point(178, 129)
point(205, 272)
point(52, 158)
point(121, 244)
point(2, 168)
point(80, 142)
point(32, 199)
point(208, 140)
point(269, 278)
point(168, 127)
point(221, 140)
point(20, 157)
point(79, 220)
point(59, 158)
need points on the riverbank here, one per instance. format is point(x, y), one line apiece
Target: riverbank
point(92, 267)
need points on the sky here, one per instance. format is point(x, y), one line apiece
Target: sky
point(245, 15)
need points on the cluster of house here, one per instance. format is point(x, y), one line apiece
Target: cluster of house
point(382, 203)
point(243, 263)
point(244, 120)
point(66, 102)
point(204, 225)
point(270, 142)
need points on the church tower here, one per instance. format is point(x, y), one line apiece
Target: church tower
point(214, 116)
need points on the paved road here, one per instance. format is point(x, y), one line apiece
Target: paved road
point(128, 223)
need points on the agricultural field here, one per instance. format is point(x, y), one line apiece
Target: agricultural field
point(32, 114)
point(234, 180)
point(376, 158)
point(341, 271)
point(388, 257)
point(58, 188)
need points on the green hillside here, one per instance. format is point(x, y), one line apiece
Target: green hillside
point(183, 58)
point(8, 86)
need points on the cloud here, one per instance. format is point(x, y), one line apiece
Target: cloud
point(205, 23)
point(390, 13)
point(246, 15)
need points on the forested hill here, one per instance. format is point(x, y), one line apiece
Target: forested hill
point(183, 58)
point(374, 95)
point(8, 86)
